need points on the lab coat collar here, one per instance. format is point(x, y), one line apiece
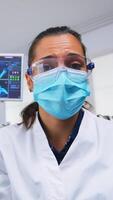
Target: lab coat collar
point(84, 142)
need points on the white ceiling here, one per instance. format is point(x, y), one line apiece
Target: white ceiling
point(22, 20)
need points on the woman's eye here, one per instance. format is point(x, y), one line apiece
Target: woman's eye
point(77, 66)
point(47, 67)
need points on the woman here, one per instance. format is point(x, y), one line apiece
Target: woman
point(59, 152)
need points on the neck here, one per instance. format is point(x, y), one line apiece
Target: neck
point(56, 130)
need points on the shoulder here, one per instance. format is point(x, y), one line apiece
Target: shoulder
point(17, 134)
point(101, 124)
point(9, 133)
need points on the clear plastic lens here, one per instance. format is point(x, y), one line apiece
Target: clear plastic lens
point(75, 61)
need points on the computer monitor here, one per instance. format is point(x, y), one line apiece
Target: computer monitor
point(11, 77)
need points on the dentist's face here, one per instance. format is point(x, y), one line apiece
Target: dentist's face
point(57, 46)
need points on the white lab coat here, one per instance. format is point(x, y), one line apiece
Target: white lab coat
point(29, 170)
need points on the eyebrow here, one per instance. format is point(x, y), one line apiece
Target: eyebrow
point(50, 56)
point(72, 54)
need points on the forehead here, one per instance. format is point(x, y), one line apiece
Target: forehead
point(58, 45)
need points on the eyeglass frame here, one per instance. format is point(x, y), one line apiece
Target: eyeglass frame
point(90, 66)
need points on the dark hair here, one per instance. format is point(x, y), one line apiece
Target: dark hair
point(29, 113)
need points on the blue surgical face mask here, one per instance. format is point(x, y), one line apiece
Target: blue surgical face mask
point(61, 92)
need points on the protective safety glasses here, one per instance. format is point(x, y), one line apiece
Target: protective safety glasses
point(72, 61)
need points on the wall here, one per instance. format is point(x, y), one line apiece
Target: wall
point(99, 42)
point(103, 84)
point(99, 45)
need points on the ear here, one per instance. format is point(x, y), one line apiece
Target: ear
point(29, 82)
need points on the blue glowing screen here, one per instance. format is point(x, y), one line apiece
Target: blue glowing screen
point(10, 77)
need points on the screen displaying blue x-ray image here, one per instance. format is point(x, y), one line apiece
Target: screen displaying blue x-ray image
point(11, 76)
point(3, 89)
